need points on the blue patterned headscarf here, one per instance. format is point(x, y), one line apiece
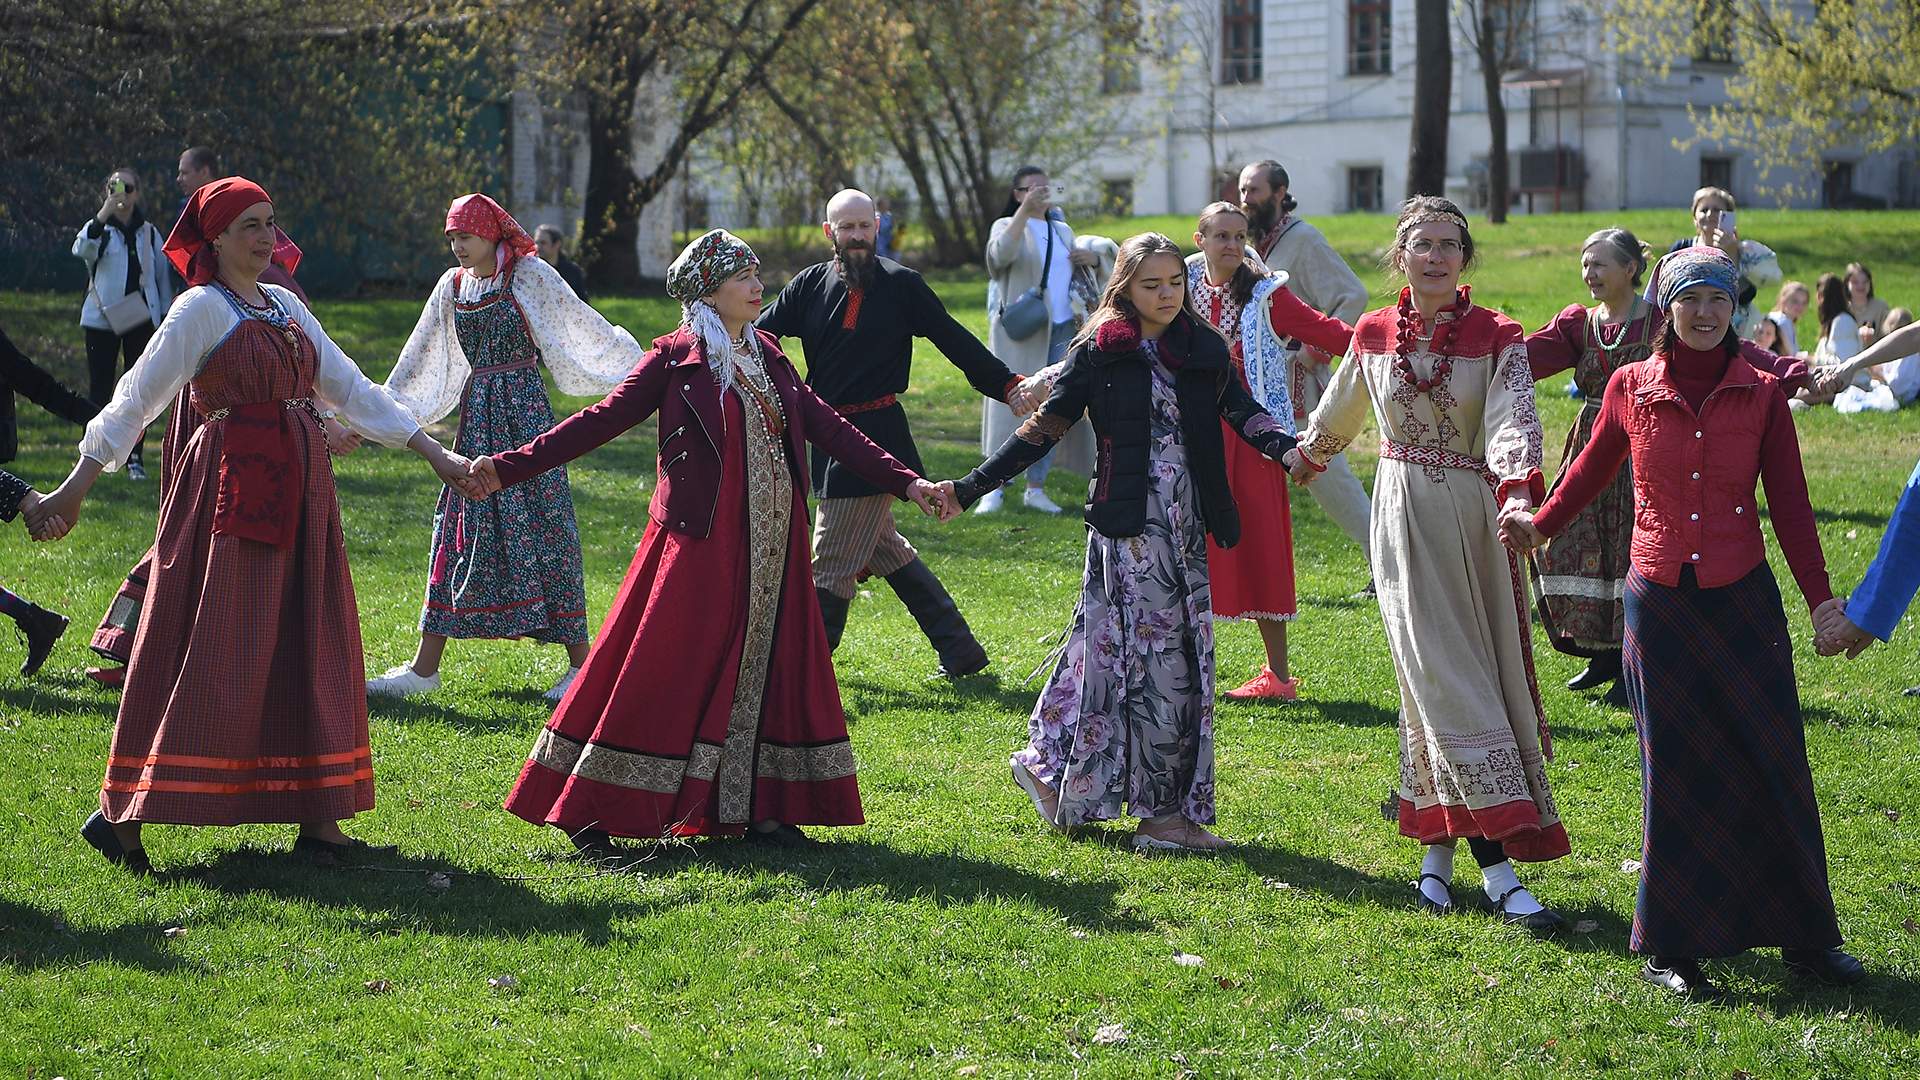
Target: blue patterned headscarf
point(1696, 265)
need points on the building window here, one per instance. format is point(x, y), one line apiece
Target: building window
point(1713, 31)
point(1116, 197)
point(1239, 41)
point(1836, 188)
point(1119, 46)
point(1369, 37)
point(1366, 188)
point(1716, 172)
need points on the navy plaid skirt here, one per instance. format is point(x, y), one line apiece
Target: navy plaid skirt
point(1733, 858)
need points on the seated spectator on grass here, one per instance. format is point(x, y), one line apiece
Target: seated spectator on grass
point(1787, 309)
point(1869, 311)
point(1766, 334)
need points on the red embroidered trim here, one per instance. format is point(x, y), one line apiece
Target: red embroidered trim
point(867, 406)
point(1436, 457)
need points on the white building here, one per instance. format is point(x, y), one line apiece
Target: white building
point(1325, 87)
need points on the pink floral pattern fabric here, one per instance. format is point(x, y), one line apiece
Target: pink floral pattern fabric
point(1125, 723)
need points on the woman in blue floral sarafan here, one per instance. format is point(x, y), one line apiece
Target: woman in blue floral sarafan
point(507, 567)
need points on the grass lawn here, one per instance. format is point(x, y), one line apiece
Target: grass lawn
point(953, 934)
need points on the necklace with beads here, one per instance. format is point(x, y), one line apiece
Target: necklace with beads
point(1406, 331)
point(1620, 330)
point(273, 315)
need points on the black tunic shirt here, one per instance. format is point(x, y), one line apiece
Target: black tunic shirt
point(852, 367)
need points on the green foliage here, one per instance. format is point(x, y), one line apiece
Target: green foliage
point(952, 931)
point(1805, 78)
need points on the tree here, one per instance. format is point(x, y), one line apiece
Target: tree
point(956, 92)
point(710, 54)
point(1810, 78)
point(1497, 30)
point(1432, 99)
point(361, 117)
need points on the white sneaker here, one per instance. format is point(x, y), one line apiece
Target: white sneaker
point(560, 688)
point(1036, 499)
point(989, 503)
point(403, 682)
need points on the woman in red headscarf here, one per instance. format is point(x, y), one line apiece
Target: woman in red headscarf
point(245, 697)
point(508, 567)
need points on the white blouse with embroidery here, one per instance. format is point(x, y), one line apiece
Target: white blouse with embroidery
point(587, 354)
point(198, 324)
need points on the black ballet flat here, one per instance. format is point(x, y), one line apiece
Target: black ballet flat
point(1680, 975)
point(781, 835)
point(327, 853)
point(1426, 903)
point(1834, 967)
point(1546, 922)
point(99, 833)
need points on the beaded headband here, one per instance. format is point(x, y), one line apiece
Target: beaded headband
point(1426, 216)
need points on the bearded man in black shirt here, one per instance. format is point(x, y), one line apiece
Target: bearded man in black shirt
point(857, 315)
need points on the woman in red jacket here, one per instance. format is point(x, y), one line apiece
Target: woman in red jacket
point(708, 703)
point(1733, 856)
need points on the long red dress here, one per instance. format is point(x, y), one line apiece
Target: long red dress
point(708, 700)
point(1254, 579)
point(245, 694)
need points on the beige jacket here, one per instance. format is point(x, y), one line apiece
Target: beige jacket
point(1014, 260)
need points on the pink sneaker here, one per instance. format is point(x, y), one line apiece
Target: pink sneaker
point(1266, 685)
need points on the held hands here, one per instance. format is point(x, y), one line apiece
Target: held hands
point(1298, 468)
point(1834, 633)
point(50, 517)
point(950, 507)
point(931, 498)
point(1029, 395)
point(454, 471)
point(50, 528)
point(1083, 257)
point(1517, 530)
point(341, 439)
point(484, 474)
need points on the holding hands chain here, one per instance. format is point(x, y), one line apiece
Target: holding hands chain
point(1834, 633)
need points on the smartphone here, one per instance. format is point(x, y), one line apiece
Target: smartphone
point(1056, 194)
point(1726, 221)
point(117, 186)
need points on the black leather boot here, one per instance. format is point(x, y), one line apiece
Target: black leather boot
point(833, 611)
point(1601, 668)
point(42, 628)
point(939, 619)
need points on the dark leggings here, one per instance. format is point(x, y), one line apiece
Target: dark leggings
point(103, 346)
point(1486, 852)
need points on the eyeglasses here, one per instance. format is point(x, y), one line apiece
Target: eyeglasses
point(1428, 247)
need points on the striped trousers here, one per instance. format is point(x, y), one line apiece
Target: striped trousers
point(854, 536)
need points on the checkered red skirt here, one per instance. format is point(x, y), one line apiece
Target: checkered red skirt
point(245, 696)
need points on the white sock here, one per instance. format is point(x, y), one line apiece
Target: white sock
point(1499, 879)
point(1439, 862)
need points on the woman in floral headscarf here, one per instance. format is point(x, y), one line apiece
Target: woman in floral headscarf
point(508, 567)
point(708, 705)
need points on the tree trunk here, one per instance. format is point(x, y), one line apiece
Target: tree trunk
point(1432, 98)
point(610, 222)
point(1497, 164)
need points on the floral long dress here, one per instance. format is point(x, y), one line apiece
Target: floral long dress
point(509, 566)
point(1127, 716)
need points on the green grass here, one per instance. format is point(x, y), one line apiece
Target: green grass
point(952, 931)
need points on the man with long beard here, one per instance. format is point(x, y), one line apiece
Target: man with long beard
point(1317, 274)
point(857, 315)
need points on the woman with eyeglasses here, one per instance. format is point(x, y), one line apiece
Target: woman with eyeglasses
point(128, 288)
point(1451, 392)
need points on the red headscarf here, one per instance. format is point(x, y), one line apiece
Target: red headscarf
point(487, 220)
point(209, 211)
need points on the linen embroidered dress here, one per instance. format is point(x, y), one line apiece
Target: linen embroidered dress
point(1126, 719)
point(245, 696)
point(508, 566)
point(708, 700)
point(1453, 600)
point(1583, 570)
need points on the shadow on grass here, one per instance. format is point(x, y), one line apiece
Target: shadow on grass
point(51, 697)
point(944, 878)
point(1872, 518)
point(1001, 690)
point(511, 716)
point(398, 893)
point(32, 938)
point(1324, 876)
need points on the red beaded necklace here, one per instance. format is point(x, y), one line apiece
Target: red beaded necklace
point(1442, 336)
